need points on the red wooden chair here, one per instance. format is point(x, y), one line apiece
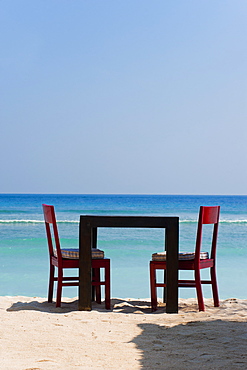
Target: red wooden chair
point(192, 261)
point(69, 258)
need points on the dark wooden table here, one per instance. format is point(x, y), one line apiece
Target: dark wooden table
point(88, 239)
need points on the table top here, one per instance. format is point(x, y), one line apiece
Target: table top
point(130, 221)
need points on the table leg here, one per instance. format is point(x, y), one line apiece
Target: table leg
point(85, 263)
point(172, 234)
point(94, 245)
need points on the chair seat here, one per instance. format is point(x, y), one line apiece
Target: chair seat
point(161, 256)
point(74, 253)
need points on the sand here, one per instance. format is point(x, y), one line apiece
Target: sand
point(35, 334)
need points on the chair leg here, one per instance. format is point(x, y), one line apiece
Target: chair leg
point(93, 293)
point(164, 289)
point(199, 290)
point(107, 287)
point(214, 287)
point(97, 287)
point(93, 287)
point(59, 287)
point(51, 283)
point(153, 287)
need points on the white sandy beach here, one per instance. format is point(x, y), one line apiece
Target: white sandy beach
point(36, 335)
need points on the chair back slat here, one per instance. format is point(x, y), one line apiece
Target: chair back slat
point(49, 213)
point(207, 215)
point(210, 215)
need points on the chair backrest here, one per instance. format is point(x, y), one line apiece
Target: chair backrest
point(207, 215)
point(51, 230)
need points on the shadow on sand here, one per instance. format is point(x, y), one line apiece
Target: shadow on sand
point(216, 344)
point(117, 305)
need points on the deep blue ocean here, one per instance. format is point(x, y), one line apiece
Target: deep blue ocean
point(24, 253)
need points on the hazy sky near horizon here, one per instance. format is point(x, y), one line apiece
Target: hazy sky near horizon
point(140, 97)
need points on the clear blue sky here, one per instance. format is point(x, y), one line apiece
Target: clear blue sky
point(108, 96)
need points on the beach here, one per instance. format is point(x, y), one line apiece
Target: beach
point(36, 335)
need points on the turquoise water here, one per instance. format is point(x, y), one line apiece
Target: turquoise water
point(24, 254)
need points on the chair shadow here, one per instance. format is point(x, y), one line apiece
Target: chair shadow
point(44, 306)
point(118, 305)
point(215, 344)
